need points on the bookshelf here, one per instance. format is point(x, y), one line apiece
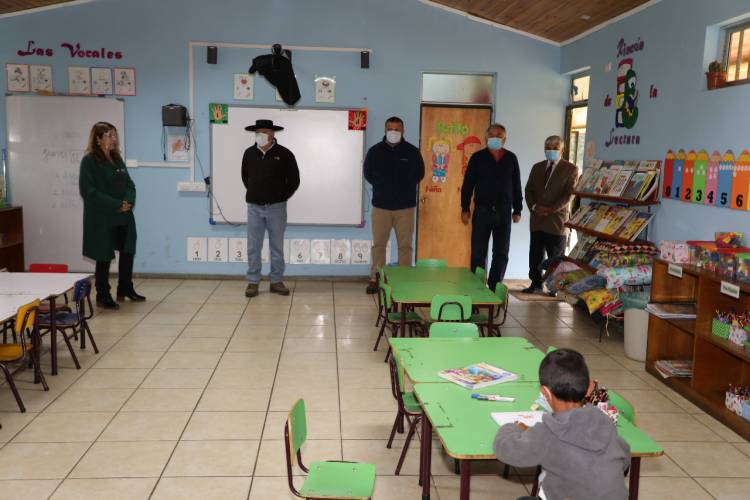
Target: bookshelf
point(716, 361)
point(11, 243)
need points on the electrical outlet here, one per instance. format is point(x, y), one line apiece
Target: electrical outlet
point(198, 187)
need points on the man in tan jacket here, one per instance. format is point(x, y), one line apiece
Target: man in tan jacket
point(549, 191)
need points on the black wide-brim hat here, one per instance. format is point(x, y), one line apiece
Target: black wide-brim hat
point(263, 124)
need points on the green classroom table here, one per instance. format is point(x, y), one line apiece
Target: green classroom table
point(416, 286)
point(464, 425)
point(421, 359)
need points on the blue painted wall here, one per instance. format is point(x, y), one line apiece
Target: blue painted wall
point(680, 38)
point(407, 37)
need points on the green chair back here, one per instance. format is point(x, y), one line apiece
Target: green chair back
point(453, 330)
point(385, 295)
point(297, 422)
point(551, 349)
point(440, 263)
point(480, 273)
point(450, 308)
point(501, 292)
point(623, 405)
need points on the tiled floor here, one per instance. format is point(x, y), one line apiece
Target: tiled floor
point(190, 392)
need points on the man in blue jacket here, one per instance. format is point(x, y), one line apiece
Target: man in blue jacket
point(394, 167)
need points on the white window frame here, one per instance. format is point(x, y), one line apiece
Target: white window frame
point(744, 30)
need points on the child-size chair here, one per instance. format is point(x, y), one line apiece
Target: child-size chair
point(437, 263)
point(324, 480)
point(392, 319)
point(408, 408)
point(453, 330)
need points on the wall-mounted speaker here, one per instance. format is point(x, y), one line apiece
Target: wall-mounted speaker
point(212, 54)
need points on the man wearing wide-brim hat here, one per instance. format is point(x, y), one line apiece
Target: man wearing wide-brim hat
point(271, 176)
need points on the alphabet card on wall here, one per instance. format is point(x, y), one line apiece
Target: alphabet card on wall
point(218, 249)
point(243, 87)
point(79, 80)
point(341, 251)
point(361, 251)
point(320, 251)
point(237, 250)
point(101, 81)
point(17, 77)
point(300, 252)
point(41, 78)
point(196, 249)
point(124, 81)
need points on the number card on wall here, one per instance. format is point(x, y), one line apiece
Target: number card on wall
point(196, 249)
point(300, 252)
point(361, 251)
point(341, 251)
point(320, 251)
point(218, 249)
point(740, 181)
point(718, 180)
point(237, 250)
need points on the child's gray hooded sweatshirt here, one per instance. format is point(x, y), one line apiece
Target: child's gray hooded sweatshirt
point(579, 450)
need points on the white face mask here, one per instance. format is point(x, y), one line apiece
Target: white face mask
point(262, 139)
point(393, 136)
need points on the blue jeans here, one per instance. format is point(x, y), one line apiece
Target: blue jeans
point(259, 218)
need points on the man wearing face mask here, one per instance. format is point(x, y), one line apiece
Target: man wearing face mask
point(271, 176)
point(394, 167)
point(493, 178)
point(549, 191)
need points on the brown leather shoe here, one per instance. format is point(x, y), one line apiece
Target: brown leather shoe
point(372, 288)
point(251, 290)
point(279, 288)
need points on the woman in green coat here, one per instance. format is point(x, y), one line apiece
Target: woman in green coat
point(108, 196)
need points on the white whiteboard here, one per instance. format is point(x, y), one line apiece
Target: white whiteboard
point(329, 156)
point(47, 138)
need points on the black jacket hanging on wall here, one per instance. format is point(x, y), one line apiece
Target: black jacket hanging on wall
point(277, 69)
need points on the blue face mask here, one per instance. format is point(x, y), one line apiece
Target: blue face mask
point(494, 143)
point(552, 154)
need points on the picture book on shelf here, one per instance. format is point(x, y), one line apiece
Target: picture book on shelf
point(478, 375)
point(620, 182)
point(633, 228)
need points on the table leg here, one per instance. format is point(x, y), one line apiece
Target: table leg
point(635, 476)
point(402, 328)
point(490, 319)
point(53, 334)
point(465, 479)
point(426, 455)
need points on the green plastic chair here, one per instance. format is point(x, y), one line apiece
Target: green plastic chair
point(450, 308)
point(439, 263)
point(392, 319)
point(623, 406)
point(380, 278)
point(480, 273)
point(453, 330)
point(335, 480)
point(501, 292)
point(408, 408)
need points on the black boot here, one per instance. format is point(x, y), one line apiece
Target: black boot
point(121, 296)
point(106, 302)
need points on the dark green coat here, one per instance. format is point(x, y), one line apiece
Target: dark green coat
point(103, 187)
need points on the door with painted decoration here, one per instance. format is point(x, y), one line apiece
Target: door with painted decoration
point(449, 135)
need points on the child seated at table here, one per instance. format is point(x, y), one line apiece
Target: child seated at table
point(581, 454)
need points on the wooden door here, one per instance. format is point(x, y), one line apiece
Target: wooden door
point(449, 135)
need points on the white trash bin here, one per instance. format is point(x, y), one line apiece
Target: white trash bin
point(636, 334)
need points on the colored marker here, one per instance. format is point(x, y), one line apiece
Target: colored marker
point(492, 397)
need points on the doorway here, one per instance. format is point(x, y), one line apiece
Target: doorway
point(449, 135)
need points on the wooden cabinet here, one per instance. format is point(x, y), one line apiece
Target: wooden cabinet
point(717, 363)
point(11, 238)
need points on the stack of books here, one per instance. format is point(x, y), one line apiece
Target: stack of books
point(677, 310)
point(632, 180)
point(622, 222)
point(682, 368)
point(584, 249)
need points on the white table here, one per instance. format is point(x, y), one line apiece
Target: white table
point(42, 286)
point(9, 305)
